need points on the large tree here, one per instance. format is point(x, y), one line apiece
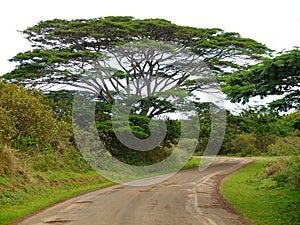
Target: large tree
point(65, 51)
point(279, 75)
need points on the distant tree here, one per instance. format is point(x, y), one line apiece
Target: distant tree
point(293, 120)
point(278, 75)
point(64, 51)
point(61, 103)
point(262, 124)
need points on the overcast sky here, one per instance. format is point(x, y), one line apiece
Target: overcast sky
point(274, 23)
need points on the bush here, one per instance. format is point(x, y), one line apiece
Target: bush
point(274, 167)
point(263, 142)
point(285, 146)
point(25, 117)
point(244, 144)
point(285, 172)
point(290, 175)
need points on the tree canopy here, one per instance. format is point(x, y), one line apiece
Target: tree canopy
point(74, 44)
point(279, 75)
point(64, 51)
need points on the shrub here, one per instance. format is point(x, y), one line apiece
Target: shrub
point(244, 144)
point(24, 115)
point(285, 146)
point(274, 167)
point(290, 175)
point(285, 172)
point(263, 142)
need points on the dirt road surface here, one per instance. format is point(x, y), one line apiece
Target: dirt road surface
point(189, 198)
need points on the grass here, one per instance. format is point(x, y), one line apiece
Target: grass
point(34, 203)
point(18, 198)
point(21, 196)
point(260, 200)
point(194, 162)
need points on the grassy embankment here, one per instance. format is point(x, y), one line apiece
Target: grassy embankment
point(21, 195)
point(260, 199)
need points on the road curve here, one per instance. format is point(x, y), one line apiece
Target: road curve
point(188, 198)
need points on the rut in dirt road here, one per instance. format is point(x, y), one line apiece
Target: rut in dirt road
point(189, 198)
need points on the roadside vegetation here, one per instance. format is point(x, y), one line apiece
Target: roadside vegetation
point(21, 196)
point(267, 191)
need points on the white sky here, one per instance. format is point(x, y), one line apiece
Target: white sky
point(274, 23)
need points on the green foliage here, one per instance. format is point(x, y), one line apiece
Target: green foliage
point(244, 144)
point(61, 103)
point(293, 120)
point(194, 162)
point(285, 146)
point(232, 130)
point(65, 52)
point(204, 114)
point(263, 121)
point(260, 130)
point(255, 131)
point(139, 126)
point(63, 42)
point(274, 76)
point(159, 107)
point(286, 172)
point(290, 175)
point(173, 131)
point(43, 139)
point(27, 119)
